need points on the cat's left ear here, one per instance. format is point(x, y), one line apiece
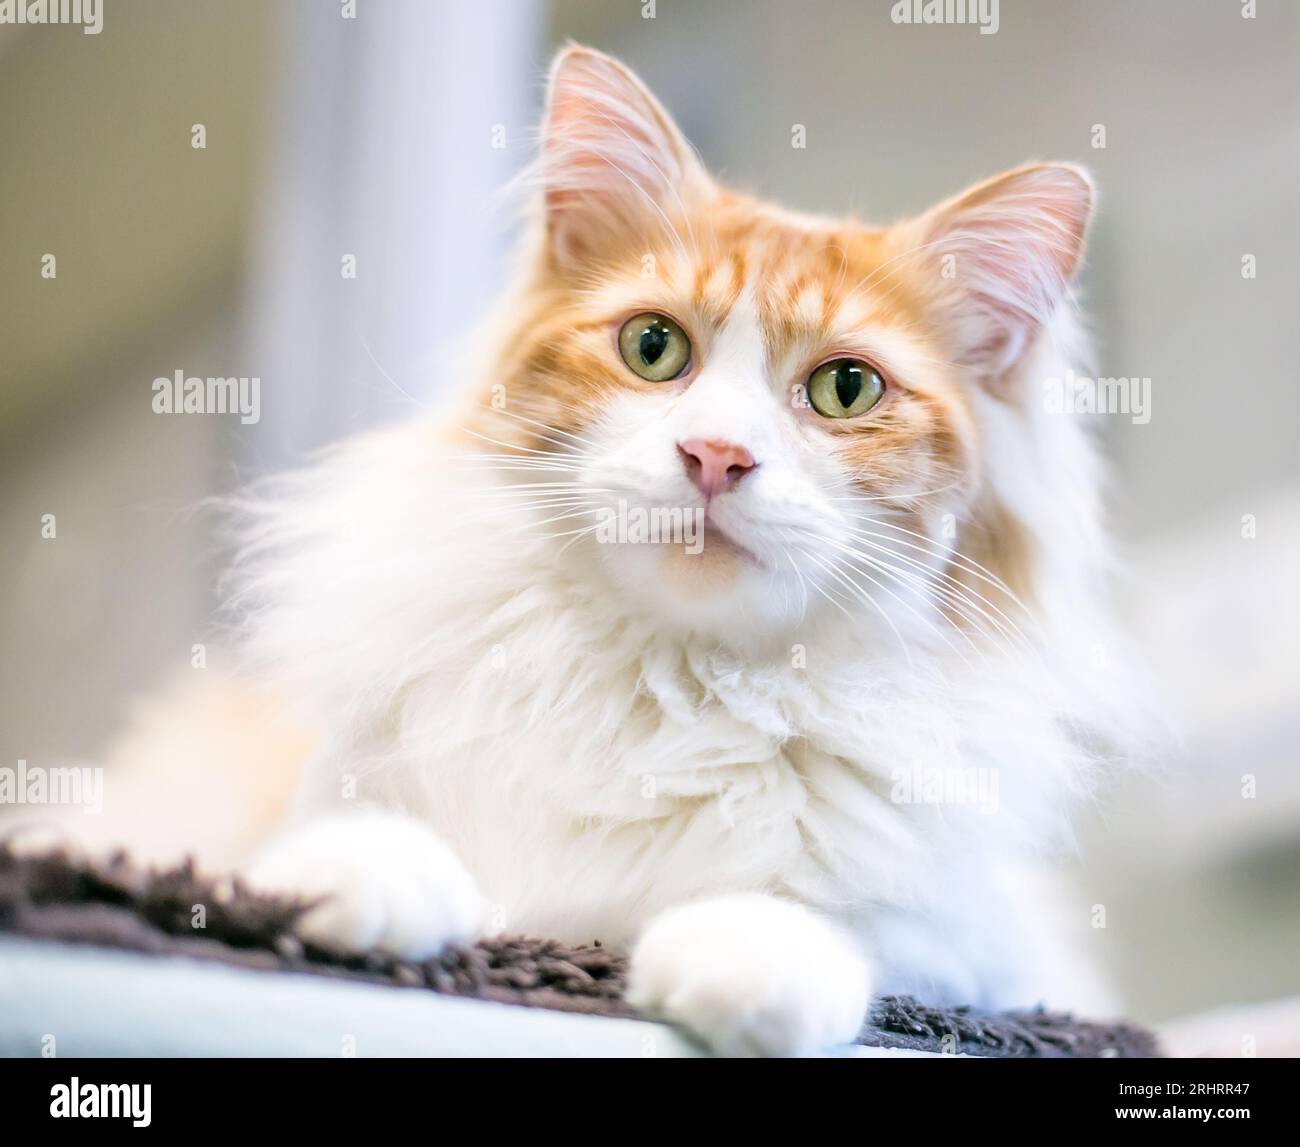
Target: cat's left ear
point(615, 169)
point(1004, 254)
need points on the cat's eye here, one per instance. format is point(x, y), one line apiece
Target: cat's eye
point(654, 347)
point(845, 388)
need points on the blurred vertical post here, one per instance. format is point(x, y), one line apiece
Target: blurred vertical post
point(379, 244)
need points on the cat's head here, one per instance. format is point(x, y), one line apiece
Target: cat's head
point(817, 397)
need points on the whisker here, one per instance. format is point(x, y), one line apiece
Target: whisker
point(578, 438)
point(940, 598)
point(578, 536)
point(820, 590)
point(513, 445)
point(970, 565)
point(803, 582)
point(886, 571)
point(953, 485)
point(867, 280)
point(869, 598)
point(955, 588)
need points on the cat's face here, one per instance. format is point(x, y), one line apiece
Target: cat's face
point(746, 415)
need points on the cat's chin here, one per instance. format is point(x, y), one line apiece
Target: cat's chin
point(710, 567)
point(718, 587)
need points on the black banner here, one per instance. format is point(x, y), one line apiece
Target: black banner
point(357, 1095)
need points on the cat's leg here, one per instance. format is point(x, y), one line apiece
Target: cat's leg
point(387, 883)
point(749, 974)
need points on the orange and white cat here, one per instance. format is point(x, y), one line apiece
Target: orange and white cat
point(790, 761)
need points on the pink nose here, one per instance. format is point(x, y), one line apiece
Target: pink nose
point(714, 466)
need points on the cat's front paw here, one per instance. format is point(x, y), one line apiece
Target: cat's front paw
point(751, 975)
point(386, 883)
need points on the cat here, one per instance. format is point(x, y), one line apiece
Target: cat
point(806, 759)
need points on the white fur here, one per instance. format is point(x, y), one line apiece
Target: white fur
point(383, 882)
point(722, 969)
point(593, 766)
point(600, 746)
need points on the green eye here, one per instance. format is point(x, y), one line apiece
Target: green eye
point(845, 388)
point(654, 347)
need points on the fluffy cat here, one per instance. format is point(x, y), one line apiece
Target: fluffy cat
point(800, 764)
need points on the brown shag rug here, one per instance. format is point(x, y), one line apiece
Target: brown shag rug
point(116, 904)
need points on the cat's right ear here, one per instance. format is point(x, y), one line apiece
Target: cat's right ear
point(1008, 248)
point(615, 170)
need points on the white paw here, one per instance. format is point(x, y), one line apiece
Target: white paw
point(390, 884)
point(751, 975)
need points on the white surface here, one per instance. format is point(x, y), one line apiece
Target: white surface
point(98, 1002)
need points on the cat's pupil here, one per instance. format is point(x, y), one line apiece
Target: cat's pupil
point(848, 383)
point(654, 340)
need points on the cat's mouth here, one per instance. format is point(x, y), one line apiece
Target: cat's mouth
point(717, 538)
point(711, 564)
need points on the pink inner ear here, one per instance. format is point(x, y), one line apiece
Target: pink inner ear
point(590, 140)
point(613, 161)
point(1017, 242)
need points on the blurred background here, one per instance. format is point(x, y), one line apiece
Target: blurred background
point(384, 136)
